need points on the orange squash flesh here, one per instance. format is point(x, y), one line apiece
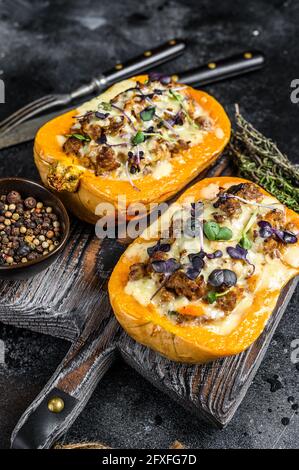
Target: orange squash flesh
point(93, 189)
point(194, 344)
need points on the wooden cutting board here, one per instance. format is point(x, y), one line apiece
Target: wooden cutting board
point(70, 301)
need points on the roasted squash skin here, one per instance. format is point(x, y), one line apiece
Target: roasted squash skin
point(194, 344)
point(82, 191)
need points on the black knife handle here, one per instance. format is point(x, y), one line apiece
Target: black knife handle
point(150, 58)
point(215, 71)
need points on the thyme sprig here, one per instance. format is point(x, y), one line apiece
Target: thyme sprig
point(259, 159)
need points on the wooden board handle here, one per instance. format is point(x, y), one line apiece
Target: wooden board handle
point(68, 391)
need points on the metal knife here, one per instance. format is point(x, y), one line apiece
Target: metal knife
point(149, 59)
point(207, 74)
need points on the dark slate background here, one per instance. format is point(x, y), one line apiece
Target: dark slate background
point(48, 46)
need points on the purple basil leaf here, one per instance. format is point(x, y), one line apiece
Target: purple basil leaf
point(240, 253)
point(102, 139)
point(230, 278)
point(237, 253)
point(266, 229)
point(158, 247)
point(201, 254)
point(264, 224)
point(165, 79)
point(179, 118)
point(216, 254)
point(279, 234)
point(221, 198)
point(100, 115)
point(197, 262)
point(289, 237)
point(155, 76)
point(192, 273)
point(168, 266)
point(216, 278)
point(285, 236)
point(236, 188)
point(220, 277)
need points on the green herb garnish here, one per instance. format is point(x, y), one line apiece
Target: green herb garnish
point(212, 296)
point(224, 233)
point(79, 137)
point(172, 313)
point(176, 96)
point(138, 138)
point(213, 231)
point(179, 98)
point(148, 113)
point(106, 106)
point(259, 159)
point(245, 242)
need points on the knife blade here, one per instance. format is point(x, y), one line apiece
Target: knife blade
point(26, 131)
point(203, 75)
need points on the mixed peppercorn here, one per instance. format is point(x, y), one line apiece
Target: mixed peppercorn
point(28, 229)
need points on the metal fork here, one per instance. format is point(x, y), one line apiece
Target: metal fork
point(42, 104)
point(149, 58)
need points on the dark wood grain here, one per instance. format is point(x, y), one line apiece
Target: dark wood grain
point(70, 301)
point(59, 300)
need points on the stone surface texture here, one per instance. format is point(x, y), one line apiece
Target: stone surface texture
point(48, 46)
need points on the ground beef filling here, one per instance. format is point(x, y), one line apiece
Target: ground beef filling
point(272, 247)
point(137, 271)
point(106, 160)
point(180, 284)
point(72, 145)
point(275, 217)
point(231, 207)
point(228, 302)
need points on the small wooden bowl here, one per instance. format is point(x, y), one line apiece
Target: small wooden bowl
point(29, 188)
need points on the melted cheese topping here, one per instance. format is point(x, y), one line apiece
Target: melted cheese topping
point(106, 96)
point(269, 275)
point(162, 169)
point(171, 128)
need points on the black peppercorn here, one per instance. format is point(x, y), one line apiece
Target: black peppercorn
point(24, 250)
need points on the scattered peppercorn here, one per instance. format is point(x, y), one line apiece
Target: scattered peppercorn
point(28, 229)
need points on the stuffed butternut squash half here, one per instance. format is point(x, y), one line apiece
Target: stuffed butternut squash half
point(202, 281)
point(142, 138)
